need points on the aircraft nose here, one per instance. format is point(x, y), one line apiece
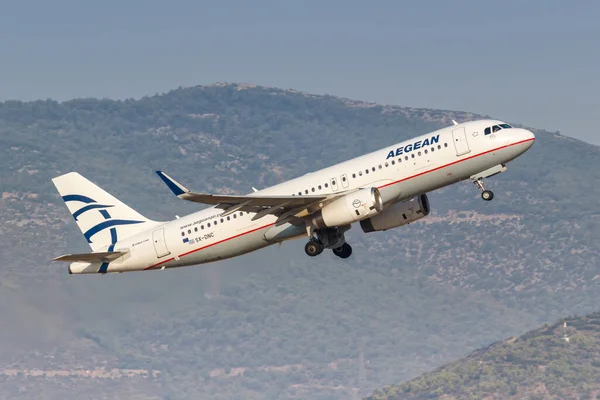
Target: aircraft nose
point(526, 137)
point(529, 136)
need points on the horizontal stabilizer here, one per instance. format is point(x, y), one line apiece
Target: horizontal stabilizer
point(102, 257)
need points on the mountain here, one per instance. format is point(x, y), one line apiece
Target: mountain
point(275, 323)
point(561, 361)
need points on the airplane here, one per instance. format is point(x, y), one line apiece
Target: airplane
point(381, 190)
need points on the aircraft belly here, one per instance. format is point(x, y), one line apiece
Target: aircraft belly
point(228, 248)
point(438, 178)
point(283, 232)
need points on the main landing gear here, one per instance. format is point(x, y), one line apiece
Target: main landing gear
point(330, 238)
point(314, 247)
point(344, 251)
point(486, 195)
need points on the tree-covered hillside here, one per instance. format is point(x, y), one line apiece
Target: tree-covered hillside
point(275, 321)
point(561, 361)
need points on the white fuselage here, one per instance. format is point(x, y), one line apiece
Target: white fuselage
point(400, 172)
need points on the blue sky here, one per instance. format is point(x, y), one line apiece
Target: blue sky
point(532, 62)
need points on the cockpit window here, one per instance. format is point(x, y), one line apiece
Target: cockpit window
point(496, 128)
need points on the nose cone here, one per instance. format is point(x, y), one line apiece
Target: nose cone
point(526, 138)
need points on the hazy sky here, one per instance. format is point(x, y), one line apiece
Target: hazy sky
point(532, 62)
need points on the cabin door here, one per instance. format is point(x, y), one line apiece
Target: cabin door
point(460, 141)
point(160, 246)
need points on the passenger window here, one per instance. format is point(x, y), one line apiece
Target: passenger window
point(208, 225)
point(343, 179)
point(366, 171)
point(196, 229)
point(419, 153)
point(215, 223)
point(313, 189)
point(228, 219)
point(379, 166)
point(373, 169)
point(182, 233)
point(189, 231)
point(221, 220)
point(487, 131)
point(320, 187)
point(306, 191)
point(413, 155)
point(234, 217)
point(406, 158)
point(445, 144)
point(201, 226)
point(353, 175)
point(359, 173)
point(241, 214)
point(386, 165)
point(425, 151)
point(399, 160)
point(393, 162)
point(327, 185)
point(333, 182)
point(439, 146)
point(432, 149)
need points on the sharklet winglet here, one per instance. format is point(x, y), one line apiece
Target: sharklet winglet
point(177, 188)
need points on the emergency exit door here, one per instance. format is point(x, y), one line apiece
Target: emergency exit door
point(160, 246)
point(460, 141)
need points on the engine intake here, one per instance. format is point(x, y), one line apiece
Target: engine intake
point(350, 208)
point(397, 215)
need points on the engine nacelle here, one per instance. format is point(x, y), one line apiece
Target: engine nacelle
point(397, 215)
point(350, 208)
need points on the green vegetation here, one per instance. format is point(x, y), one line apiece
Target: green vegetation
point(553, 362)
point(408, 300)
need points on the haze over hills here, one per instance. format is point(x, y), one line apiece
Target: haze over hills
point(559, 361)
point(275, 321)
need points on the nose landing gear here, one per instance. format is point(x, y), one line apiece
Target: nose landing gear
point(486, 195)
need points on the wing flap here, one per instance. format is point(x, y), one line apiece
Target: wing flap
point(107, 256)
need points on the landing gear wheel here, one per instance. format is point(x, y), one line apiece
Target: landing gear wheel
point(344, 251)
point(313, 248)
point(487, 195)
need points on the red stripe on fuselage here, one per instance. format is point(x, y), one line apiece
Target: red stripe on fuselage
point(212, 244)
point(389, 184)
point(456, 162)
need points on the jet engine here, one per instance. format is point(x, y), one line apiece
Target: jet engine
point(397, 215)
point(350, 208)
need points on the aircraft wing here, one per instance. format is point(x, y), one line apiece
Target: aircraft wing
point(91, 257)
point(282, 206)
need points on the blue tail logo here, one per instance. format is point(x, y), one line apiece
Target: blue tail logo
point(108, 223)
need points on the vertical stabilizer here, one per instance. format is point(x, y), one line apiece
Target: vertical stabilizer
point(102, 218)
